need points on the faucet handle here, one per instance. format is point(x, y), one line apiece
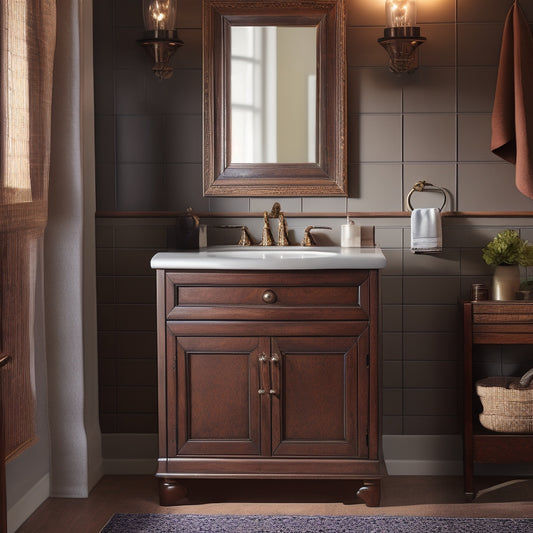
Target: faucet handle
point(283, 234)
point(308, 239)
point(246, 239)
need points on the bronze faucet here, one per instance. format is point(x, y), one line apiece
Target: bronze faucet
point(308, 239)
point(267, 239)
point(283, 237)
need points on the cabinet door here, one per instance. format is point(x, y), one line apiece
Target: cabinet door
point(320, 398)
point(213, 401)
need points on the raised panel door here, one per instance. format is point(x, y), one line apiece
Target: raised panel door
point(213, 387)
point(320, 403)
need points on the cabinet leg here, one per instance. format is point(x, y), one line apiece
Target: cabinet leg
point(171, 492)
point(370, 492)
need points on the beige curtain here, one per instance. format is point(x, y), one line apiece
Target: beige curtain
point(27, 35)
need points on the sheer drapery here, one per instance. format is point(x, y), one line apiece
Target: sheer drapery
point(27, 38)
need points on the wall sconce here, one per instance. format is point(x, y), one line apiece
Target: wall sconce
point(401, 36)
point(161, 36)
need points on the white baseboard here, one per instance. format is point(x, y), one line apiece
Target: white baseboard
point(19, 512)
point(423, 455)
point(128, 467)
point(129, 453)
point(405, 455)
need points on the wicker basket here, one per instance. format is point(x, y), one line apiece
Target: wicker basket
point(507, 403)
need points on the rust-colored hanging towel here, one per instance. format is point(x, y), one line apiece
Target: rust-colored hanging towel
point(512, 114)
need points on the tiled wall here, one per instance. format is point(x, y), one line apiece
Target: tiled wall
point(433, 125)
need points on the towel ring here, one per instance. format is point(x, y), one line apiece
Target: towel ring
point(419, 186)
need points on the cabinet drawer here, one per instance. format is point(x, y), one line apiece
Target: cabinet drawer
point(323, 295)
point(496, 322)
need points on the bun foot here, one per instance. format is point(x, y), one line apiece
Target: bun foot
point(171, 492)
point(370, 492)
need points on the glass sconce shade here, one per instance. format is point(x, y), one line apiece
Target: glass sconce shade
point(400, 13)
point(159, 15)
point(161, 36)
point(401, 37)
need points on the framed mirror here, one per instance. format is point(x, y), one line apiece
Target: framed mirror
point(274, 98)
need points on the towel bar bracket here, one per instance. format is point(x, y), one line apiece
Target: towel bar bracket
point(420, 186)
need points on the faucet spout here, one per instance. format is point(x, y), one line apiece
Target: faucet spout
point(283, 236)
point(275, 211)
point(267, 238)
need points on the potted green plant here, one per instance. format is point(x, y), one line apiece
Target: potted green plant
point(507, 252)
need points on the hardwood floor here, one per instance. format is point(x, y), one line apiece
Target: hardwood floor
point(416, 495)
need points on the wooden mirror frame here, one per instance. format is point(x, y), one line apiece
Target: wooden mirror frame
point(326, 177)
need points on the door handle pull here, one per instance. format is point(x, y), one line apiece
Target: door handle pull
point(261, 360)
point(274, 387)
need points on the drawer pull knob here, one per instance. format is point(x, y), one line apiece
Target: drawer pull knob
point(269, 297)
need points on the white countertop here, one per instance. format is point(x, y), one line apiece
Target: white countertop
point(270, 258)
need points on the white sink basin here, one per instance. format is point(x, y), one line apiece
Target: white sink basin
point(264, 253)
point(271, 258)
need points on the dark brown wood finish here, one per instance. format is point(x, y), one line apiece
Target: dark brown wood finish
point(4, 360)
point(492, 322)
point(273, 390)
point(327, 177)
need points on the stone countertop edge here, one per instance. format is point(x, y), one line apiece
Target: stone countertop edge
point(270, 258)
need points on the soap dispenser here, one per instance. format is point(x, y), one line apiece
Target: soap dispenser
point(350, 234)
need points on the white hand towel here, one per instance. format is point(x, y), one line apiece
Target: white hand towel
point(426, 230)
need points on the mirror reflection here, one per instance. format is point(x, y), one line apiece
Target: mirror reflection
point(273, 94)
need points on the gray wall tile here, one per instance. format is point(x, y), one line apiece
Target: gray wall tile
point(434, 346)
point(382, 138)
point(429, 137)
point(474, 134)
point(479, 43)
point(374, 187)
point(430, 90)
point(475, 88)
point(499, 178)
point(430, 290)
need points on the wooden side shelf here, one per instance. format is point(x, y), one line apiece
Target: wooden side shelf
point(492, 322)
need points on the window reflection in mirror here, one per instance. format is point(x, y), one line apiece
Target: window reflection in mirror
point(273, 94)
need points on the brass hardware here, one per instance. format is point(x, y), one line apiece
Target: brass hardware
point(267, 239)
point(275, 211)
point(420, 186)
point(245, 239)
point(273, 360)
point(308, 239)
point(4, 359)
point(269, 297)
point(283, 237)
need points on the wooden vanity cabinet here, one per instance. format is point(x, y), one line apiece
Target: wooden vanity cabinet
point(268, 374)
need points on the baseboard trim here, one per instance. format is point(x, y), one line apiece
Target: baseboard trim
point(19, 512)
point(423, 455)
point(127, 467)
point(423, 468)
point(405, 455)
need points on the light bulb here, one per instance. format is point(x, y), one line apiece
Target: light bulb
point(400, 13)
point(159, 14)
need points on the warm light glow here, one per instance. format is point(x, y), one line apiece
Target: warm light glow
point(400, 13)
point(16, 99)
point(159, 14)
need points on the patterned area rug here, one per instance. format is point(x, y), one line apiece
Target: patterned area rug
point(186, 523)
